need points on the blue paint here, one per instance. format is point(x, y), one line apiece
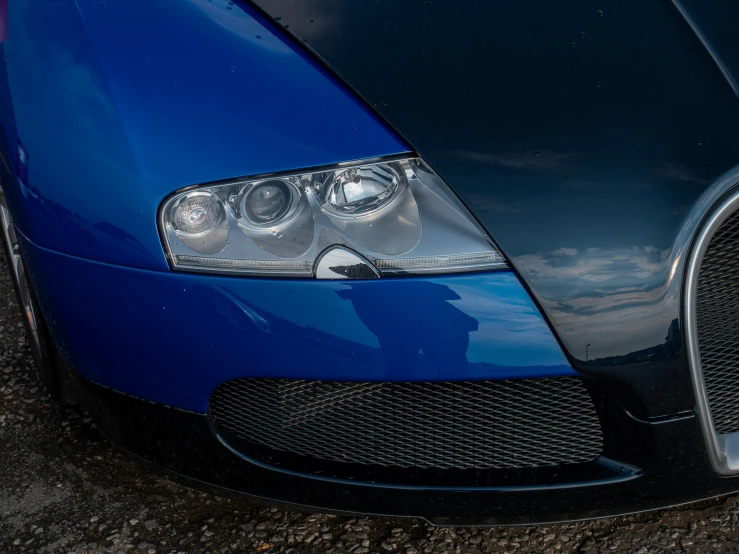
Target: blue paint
point(21, 164)
point(173, 338)
point(118, 104)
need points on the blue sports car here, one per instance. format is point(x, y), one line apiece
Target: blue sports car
point(469, 261)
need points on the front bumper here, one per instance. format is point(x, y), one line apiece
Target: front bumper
point(150, 348)
point(174, 337)
point(183, 444)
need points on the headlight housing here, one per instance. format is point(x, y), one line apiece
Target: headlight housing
point(396, 216)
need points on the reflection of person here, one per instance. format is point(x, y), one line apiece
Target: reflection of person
point(409, 317)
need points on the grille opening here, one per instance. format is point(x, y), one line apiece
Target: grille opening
point(468, 425)
point(717, 321)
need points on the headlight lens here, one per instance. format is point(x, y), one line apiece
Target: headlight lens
point(198, 221)
point(267, 202)
point(359, 190)
point(197, 212)
point(397, 215)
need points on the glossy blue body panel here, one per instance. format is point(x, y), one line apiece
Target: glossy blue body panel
point(172, 337)
point(120, 103)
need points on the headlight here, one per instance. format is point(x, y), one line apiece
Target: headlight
point(357, 220)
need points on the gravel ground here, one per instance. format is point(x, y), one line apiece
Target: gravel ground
point(63, 488)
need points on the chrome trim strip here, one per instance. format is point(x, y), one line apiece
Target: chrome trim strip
point(723, 450)
point(340, 262)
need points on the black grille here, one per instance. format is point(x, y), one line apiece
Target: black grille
point(717, 312)
point(461, 425)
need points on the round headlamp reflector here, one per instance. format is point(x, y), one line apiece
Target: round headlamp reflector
point(198, 212)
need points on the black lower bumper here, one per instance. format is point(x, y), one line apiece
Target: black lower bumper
point(185, 445)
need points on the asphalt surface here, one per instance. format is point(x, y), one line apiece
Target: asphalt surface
point(64, 489)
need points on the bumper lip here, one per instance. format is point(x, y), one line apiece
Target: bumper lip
point(622, 472)
point(183, 446)
point(437, 521)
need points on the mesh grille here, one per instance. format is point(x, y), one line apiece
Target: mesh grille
point(717, 312)
point(462, 425)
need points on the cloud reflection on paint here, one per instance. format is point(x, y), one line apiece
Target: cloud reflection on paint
point(622, 286)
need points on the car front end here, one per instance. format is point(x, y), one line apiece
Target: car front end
point(329, 258)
